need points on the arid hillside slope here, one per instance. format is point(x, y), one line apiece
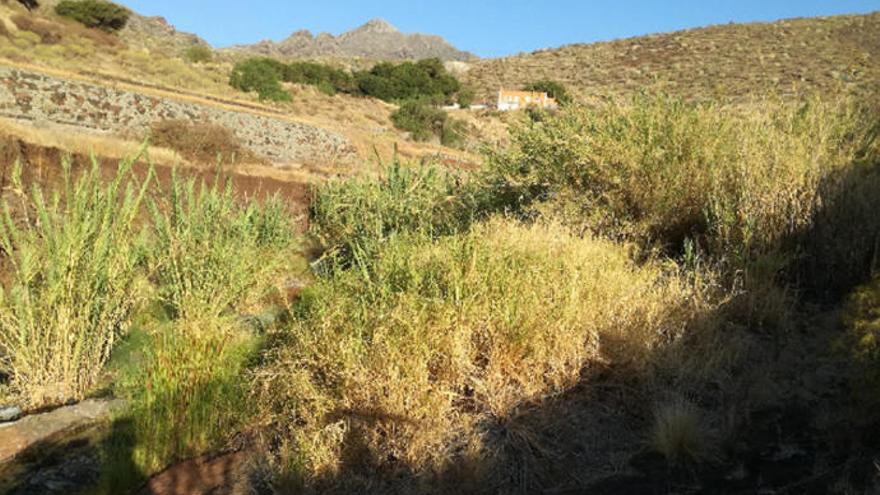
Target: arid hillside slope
point(830, 54)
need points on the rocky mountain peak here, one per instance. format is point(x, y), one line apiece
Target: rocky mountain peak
point(377, 39)
point(377, 26)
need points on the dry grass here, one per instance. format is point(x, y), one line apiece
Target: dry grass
point(200, 142)
point(760, 189)
point(678, 434)
point(739, 61)
point(86, 144)
point(48, 32)
point(410, 360)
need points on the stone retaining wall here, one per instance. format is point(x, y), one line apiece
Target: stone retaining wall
point(37, 97)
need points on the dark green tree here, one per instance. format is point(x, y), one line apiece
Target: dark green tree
point(262, 75)
point(29, 4)
point(98, 14)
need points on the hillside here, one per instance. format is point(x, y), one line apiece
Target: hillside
point(830, 54)
point(377, 40)
point(148, 58)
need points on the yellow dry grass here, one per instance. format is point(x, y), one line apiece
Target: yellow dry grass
point(415, 357)
point(100, 145)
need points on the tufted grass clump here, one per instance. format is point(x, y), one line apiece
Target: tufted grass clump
point(73, 268)
point(406, 361)
point(677, 433)
point(187, 394)
point(351, 219)
point(213, 253)
point(213, 256)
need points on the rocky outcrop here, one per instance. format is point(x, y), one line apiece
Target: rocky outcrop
point(37, 97)
point(376, 39)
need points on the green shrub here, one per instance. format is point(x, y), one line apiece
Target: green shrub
point(198, 54)
point(422, 120)
point(213, 255)
point(466, 96)
point(454, 132)
point(353, 218)
point(94, 13)
point(328, 79)
point(74, 269)
point(425, 79)
point(262, 75)
point(553, 89)
point(403, 364)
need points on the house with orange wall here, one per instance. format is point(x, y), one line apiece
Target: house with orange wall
point(516, 100)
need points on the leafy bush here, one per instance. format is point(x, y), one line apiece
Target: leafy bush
point(402, 362)
point(553, 89)
point(211, 254)
point(198, 54)
point(262, 75)
point(454, 132)
point(94, 13)
point(421, 120)
point(353, 218)
point(466, 96)
point(329, 79)
point(74, 271)
point(425, 79)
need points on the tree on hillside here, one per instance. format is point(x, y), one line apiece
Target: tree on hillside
point(29, 4)
point(94, 13)
point(262, 75)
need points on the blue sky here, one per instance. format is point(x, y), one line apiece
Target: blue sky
point(488, 28)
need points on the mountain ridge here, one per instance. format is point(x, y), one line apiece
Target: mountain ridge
point(376, 39)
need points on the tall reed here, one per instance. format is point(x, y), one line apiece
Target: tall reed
point(73, 266)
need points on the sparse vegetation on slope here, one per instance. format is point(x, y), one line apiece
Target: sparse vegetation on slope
point(199, 141)
point(735, 61)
